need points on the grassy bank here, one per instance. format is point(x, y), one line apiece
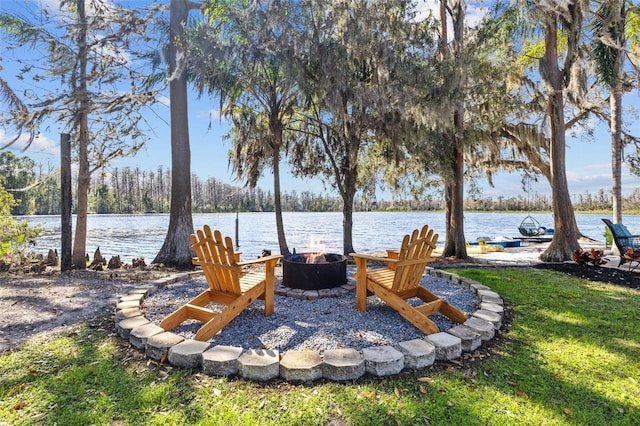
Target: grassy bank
point(571, 356)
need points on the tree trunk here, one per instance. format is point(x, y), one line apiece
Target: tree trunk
point(616, 153)
point(282, 241)
point(347, 215)
point(565, 237)
point(80, 239)
point(455, 243)
point(176, 250)
point(614, 27)
point(349, 194)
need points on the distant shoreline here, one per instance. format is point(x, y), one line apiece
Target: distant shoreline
point(605, 213)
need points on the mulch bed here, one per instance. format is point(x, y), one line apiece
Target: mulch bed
point(621, 277)
point(604, 274)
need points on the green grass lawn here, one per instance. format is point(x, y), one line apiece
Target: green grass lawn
point(571, 356)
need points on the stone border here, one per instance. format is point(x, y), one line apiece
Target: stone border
point(303, 366)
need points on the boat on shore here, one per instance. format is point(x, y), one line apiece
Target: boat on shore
point(475, 249)
point(504, 242)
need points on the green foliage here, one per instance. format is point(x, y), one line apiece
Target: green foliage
point(13, 234)
point(608, 237)
point(18, 174)
point(606, 31)
point(6, 201)
point(632, 27)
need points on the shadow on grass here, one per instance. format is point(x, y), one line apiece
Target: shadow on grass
point(575, 346)
point(86, 377)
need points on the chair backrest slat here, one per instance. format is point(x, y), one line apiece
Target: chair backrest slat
point(414, 255)
point(216, 257)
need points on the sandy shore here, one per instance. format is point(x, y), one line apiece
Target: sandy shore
point(529, 253)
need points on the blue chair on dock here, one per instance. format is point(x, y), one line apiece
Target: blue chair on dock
point(627, 244)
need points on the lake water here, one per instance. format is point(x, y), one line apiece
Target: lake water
point(142, 235)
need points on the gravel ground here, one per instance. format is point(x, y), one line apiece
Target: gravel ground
point(318, 324)
point(50, 302)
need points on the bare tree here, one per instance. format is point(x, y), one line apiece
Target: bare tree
point(90, 52)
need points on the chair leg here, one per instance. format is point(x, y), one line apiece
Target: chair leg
point(182, 314)
point(361, 284)
point(213, 326)
point(420, 321)
point(269, 290)
point(446, 309)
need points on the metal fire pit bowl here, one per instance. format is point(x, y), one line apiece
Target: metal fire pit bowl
point(296, 273)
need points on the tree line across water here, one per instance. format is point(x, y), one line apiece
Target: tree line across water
point(133, 190)
point(360, 95)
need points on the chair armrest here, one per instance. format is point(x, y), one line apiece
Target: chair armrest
point(260, 260)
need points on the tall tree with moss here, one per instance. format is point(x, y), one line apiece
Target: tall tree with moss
point(355, 62)
point(558, 76)
point(244, 54)
point(453, 175)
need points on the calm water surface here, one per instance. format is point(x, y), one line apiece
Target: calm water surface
point(142, 235)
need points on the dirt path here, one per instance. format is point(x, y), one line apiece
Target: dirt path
point(34, 304)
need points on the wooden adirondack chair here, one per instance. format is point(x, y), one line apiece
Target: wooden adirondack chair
point(400, 280)
point(228, 285)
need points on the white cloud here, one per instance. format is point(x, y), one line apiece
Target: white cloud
point(210, 114)
point(426, 7)
point(214, 113)
point(40, 145)
point(474, 14)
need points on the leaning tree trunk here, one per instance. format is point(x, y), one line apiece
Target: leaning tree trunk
point(84, 174)
point(565, 237)
point(176, 250)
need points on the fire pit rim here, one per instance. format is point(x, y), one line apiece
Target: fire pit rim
point(314, 276)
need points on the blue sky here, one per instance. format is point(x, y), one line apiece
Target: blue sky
point(588, 163)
